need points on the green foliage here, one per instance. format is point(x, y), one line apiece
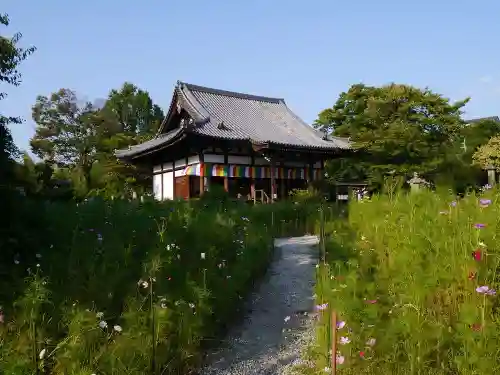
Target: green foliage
point(11, 56)
point(488, 154)
point(164, 277)
point(460, 169)
point(82, 137)
point(395, 128)
point(402, 274)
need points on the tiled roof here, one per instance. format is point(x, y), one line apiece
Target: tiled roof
point(475, 120)
point(152, 144)
point(236, 116)
point(256, 118)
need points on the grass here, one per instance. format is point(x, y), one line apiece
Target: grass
point(130, 288)
point(403, 274)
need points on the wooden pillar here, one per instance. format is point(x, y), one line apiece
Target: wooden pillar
point(202, 182)
point(273, 179)
point(252, 187)
point(310, 171)
point(226, 164)
point(201, 157)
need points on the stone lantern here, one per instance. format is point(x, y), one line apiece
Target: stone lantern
point(491, 175)
point(417, 183)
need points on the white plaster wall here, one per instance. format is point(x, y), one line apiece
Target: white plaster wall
point(180, 172)
point(180, 163)
point(157, 186)
point(193, 159)
point(168, 185)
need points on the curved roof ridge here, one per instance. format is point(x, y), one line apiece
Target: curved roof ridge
point(184, 90)
point(233, 94)
point(314, 131)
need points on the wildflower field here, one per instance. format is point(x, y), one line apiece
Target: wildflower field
point(129, 288)
point(413, 280)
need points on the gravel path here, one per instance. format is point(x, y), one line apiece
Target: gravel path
point(279, 320)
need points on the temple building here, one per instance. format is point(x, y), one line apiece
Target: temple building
point(247, 144)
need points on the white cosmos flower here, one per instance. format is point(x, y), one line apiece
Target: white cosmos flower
point(202, 255)
point(117, 328)
point(103, 324)
point(42, 354)
point(344, 340)
point(371, 342)
point(99, 315)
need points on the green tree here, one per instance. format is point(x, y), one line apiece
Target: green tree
point(395, 129)
point(134, 111)
point(83, 137)
point(488, 154)
point(460, 169)
point(68, 131)
point(11, 56)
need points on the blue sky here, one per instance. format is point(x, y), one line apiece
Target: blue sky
point(304, 51)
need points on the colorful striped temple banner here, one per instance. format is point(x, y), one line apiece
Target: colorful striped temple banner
point(193, 170)
point(243, 171)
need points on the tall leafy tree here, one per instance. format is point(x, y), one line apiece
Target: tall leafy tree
point(11, 56)
point(459, 168)
point(136, 118)
point(396, 129)
point(15, 216)
point(82, 136)
point(68, 131)
point(134, 111)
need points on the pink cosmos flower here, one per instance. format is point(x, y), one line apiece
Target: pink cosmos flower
point(486, 290)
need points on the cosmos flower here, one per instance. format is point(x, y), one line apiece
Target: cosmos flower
point(322, 307)
point(371, 341)
point(344, 340)
point(484, 202)
point(486, 290)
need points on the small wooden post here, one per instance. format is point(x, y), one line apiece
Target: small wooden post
point(334, 343)
point(202, 180)
point(273, 179)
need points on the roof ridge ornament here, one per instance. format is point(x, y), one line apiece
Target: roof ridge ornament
point(222, 126)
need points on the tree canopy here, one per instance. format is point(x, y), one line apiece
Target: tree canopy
point(395, 129)
point(11, 56)
point(81, 136)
